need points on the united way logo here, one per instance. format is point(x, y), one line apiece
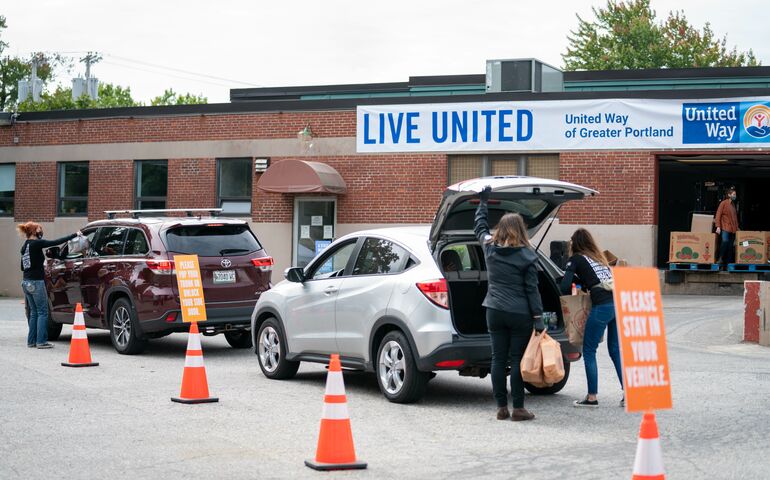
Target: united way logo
point(756, 121)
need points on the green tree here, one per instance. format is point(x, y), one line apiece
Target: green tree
point(170, 97)
point(627, 35)
point(110, 96)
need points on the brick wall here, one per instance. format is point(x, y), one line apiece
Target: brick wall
point(626, 182)
point(35, 198)
point(192, 183)
point(181, 128)
point(380, 189)
point(110, 187)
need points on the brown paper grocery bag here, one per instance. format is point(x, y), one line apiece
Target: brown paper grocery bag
point(576, 309)
point(553, 363)
point(532, 362)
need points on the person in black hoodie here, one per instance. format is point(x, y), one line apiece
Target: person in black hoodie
point(33, 284)
point(513, 302)
point(593, 273)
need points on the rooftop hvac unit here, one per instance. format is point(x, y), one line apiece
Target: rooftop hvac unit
point(523, 75)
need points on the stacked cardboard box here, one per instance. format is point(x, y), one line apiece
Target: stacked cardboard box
point(751, 247)
point(692, 247)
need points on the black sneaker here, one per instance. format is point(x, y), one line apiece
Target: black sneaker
point(45, 345)
point(586, 403)
point(31, 345)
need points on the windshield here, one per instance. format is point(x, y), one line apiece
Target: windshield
point(533, 211)
point(212, 240)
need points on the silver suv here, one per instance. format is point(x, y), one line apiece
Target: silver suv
point(405, 302)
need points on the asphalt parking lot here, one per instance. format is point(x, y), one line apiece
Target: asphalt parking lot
point(116, 420)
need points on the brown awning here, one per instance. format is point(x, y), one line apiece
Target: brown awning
point(300, 176)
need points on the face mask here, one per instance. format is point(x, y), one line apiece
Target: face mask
point(733, 197)
point(39, 234)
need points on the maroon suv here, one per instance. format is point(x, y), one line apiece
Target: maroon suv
point(126, 283)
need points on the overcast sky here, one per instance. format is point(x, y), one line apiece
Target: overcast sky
point(316, 42)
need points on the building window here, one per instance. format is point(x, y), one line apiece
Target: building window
point(73, 188)
point(7, 189)
point(465, 167)
point(234, 185)
point(151, 184)
point(543, 166)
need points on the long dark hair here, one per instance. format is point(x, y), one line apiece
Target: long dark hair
point(511, 231)
point(583, 243)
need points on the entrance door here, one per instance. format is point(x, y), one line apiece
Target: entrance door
point(314, 228)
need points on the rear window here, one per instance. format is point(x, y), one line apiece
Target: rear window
point(212, 240)
point(533, 211)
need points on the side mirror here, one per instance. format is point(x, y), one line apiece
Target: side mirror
point(295, 274)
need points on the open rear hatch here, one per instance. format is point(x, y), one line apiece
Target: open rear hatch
point(535, 199)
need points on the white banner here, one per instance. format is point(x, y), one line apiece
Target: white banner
point(612, 124)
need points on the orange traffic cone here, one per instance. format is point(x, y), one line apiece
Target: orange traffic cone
point(335, 442)
point(80, 353)
point(195, 388)
point(648, 464)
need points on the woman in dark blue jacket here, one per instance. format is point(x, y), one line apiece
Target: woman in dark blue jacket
point(513, 302)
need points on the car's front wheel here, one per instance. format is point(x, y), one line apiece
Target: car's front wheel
point(555, 388)
point(271, 352)
point(124, 331)
point(238, 338)
point(397, 373)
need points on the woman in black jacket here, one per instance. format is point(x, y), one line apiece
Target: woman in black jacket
point(513, 302)
point(33, 284)
point(589, 265)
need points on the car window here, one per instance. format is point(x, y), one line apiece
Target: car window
point(89, 234)
point(332, 263)
point(458, 258)
point(212, 240)
point(136, 243)
point(379, 256)
point(110, 242)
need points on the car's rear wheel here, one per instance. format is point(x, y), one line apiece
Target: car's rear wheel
point(397, 373)
point(238, 338)
point(124, 331)
point(556, 387)
point(271, 352)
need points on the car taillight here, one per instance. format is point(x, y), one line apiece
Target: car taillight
point(436, 291)
point(171, 317)
point(265, 264)
point(161, 267)
point(451, 363)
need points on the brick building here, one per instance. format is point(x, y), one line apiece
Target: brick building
point(65, 168)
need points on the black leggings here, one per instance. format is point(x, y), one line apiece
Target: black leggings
point(510, 334)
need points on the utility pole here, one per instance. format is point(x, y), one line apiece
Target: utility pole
point(88, 86)
point(91, 58)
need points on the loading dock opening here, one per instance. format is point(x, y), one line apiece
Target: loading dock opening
point(690, 184)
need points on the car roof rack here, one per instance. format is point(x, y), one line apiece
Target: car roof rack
point(191, 212)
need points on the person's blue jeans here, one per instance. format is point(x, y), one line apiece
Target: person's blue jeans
point(601, 317)
point(726, 249)
point(37, 301)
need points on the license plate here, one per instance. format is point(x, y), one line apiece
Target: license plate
point(224, 276)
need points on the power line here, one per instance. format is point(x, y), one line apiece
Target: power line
point(140, 62)
point(133, 67)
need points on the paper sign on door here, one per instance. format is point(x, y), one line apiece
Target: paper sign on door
point(639, 315)
point(188, 281)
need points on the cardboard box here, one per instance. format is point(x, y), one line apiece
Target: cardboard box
point(689, 247)
point(611, 258)
point(750, 247)
point(702, 223)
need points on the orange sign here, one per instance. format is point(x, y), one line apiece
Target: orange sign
point(188, 281)
point(639, 313)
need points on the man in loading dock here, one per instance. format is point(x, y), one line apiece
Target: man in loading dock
point(726, 221)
